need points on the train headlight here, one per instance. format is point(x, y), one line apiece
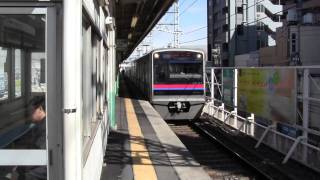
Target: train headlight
point(199, 56)
point(156, 55)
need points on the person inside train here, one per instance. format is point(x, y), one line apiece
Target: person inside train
point(38, 117)
point(36, 139)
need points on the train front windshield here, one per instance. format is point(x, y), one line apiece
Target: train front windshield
point(178, 73)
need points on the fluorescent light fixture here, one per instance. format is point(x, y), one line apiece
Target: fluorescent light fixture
point(129, 35)
point(134, 21)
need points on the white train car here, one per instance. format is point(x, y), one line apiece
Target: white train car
point(172, 80)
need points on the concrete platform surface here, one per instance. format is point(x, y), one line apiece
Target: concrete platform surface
point(144, 147)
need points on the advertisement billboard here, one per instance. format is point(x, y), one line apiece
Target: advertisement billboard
point(268, 93)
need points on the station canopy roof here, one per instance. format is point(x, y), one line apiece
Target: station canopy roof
point(134, 20)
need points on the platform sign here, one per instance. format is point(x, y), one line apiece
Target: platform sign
point(268, 93)
point(228, 76)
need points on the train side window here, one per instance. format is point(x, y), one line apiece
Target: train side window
point(23, 115)
point(18, 73)
point(38, 79)
point(4, 91)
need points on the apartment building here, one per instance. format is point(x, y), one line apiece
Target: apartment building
point(240, 26)
point(298, 41)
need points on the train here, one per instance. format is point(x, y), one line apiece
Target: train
point(172, 80)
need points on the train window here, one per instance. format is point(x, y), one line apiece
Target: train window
point(86, 81)
point(17, 72)
point(23, 116)
point(174, 70)
point(3, 74)
point(38, 72)
point(21, 69)
point(178, 68)
point(90, 77)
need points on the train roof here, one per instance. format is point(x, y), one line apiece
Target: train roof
point(169, 49)
point(176, 49)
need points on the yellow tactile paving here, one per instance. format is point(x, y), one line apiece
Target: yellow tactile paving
point(142, 164)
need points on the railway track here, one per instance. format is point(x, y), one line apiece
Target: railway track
point(216, 160)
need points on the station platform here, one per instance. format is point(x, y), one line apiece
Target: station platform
point(144, 147)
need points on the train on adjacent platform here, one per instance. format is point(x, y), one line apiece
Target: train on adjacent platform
point(172, 80)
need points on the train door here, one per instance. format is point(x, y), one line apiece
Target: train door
point(30, 112)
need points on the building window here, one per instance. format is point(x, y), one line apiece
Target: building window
point(258, 44)
point(240, 10)
point(293, 43)
point(225, 47)
point(260, 26)
point(260, 8)
point(225, 27)
point(240, 29)
point(225, 10)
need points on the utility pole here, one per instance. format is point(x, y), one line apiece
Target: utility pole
point(164, 27)
point(176, 31)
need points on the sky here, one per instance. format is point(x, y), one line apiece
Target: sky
point(193, 15)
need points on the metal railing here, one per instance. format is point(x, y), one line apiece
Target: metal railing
point(297, 147)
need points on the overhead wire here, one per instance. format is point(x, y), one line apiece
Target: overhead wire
point(252, 22)
point(194, 40)
point(186, 9)
point(258, 20)
point(194, 30)
point(219, 20)
point(243, 10)
point(182, 3)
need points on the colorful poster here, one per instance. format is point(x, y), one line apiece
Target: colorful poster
point(268, 93)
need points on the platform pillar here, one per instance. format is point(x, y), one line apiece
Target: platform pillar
point(112, 84)
point(72, 125)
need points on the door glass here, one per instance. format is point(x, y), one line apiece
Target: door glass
point(23, 89)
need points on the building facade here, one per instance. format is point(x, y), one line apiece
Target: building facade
point(239, 27)
point(297, 41)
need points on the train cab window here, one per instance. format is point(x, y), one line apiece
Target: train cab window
point(3, 74)
point(178, 69)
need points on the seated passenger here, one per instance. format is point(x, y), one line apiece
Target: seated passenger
point(36, 139)
point(38, 117)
